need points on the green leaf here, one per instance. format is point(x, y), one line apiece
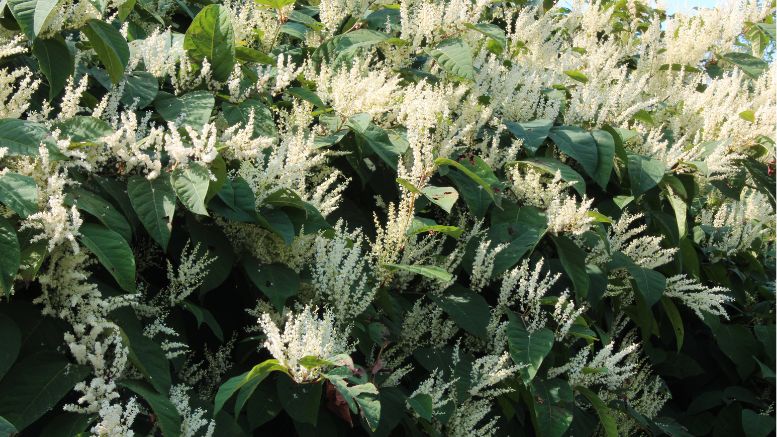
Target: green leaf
point(444, 197)
point(573, 259)
point(7, 428)
point(66, 425)
point(112, 251)
point(673, 314)
point(748, 115)
point(421, 225)
point(551, 166)
point(422, 404)
point(191, 186)
point(644, 173)
point(455, 57)
point(578, 144)
point(757, 425)
point(165, 413)
point(275, 4)
point(145, 353)
point(192, 108)
point(110, 45)
point(11, 257)
point(264, 125)
point(252, 378)
point(606, 418)
point(496, 33)
point(650, 283)
point(276, 281)
point(471, 174)
point(433, 272)
point(605, 144)
point(154, 202)
point(553, 403)
point(300, 401)
point(35, 385)
point(751, 65)
point(33, 15)
point(577, 75)
point(366, 396)
point(378, 139)
point(101, 209)
point(468, 309)
point(528, 349)
point(533, 133)
point(55, 61)
point(140, 88)
point(11, 339)
point(19, 193)
point(211, 37)
point(82, 128)
point(21, 137)
point(204, 316)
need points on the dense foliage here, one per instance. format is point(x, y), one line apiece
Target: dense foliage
point(435, 217)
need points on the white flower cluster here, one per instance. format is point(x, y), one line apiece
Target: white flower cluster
point(563, 211)
point(733, 226)
point(304, 334)
point(340, 273)
point(697, 297)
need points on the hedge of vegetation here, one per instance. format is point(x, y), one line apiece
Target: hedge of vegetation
point(337, 217)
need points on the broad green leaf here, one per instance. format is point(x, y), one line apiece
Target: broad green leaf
point(278, 221)
point(605, 144)
point(528, 349)
point(21, 137)
point(421, 225)
point(422, 404)
point(275, 4)
point(751, 65)
point(377, 139)
point(680, 209)
point(433, 272)
point(19, 193)
point(31, 259)
point(366, 396)
point(577, 75)
point(573, 259)
point(67, 425)
point(34, 385)
point(82, 128)
point(650, 283)
point(644, 173)
point(444, 197)
point(250, 379)
point(110, 45)
point(165, 413)
point(673, 314)
point(264, 125)
point(553, 403)
point(33, 15)
point(533, 133)
point(112, 251)
point(10, 259)
point(551, 166)
point(11, 339)
point(55, 61)
point(468, 309)
point(496, 33)
point(192, 108)
point(606, 418)
point(471, 174)
point(203, 315)
point(341, 48)
point(455, 57)
point(191, 186)
point(300, 401)
point(7, 428)
point(578, 144)
point(145, 353)
point(277, 281)
point(154, 202)
point(211, 37)
point(757, 425)
point(140, 89)
point(748, 115)
point(306, 94)
point(101, 209)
